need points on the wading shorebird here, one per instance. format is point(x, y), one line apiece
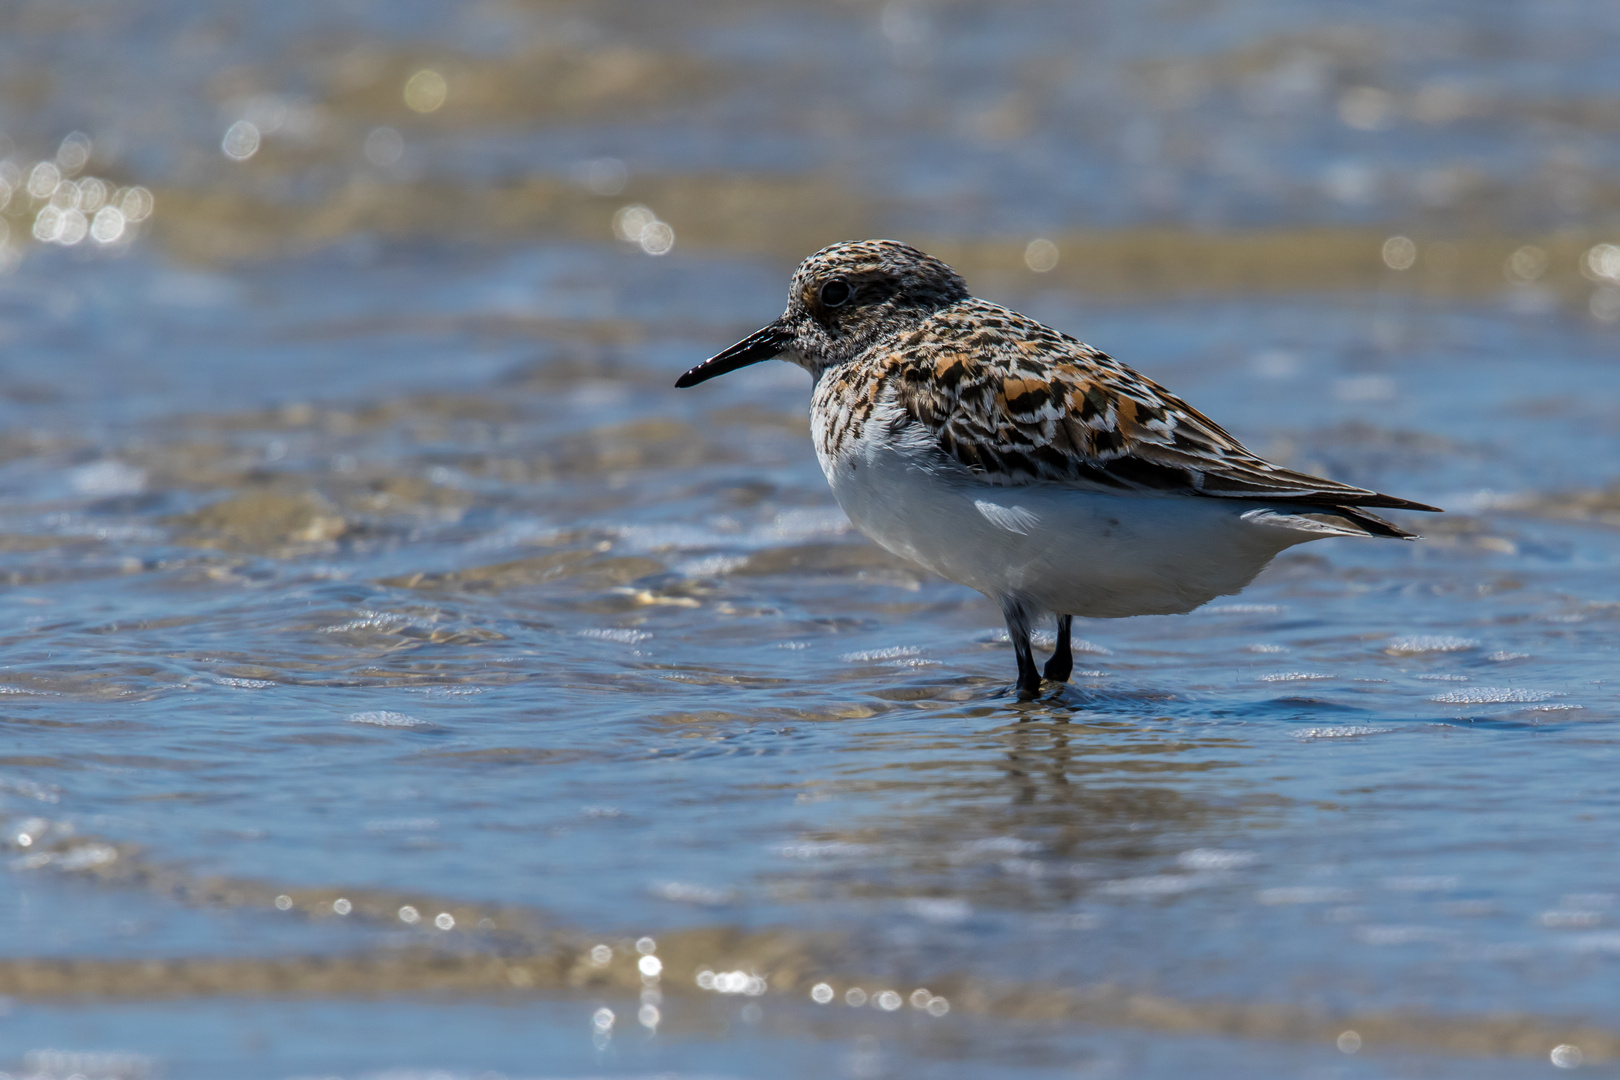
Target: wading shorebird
point(1016, 460)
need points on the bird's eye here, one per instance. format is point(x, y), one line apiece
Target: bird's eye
point(835, 293)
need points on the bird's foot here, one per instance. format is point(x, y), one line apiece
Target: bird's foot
point(1061, 665)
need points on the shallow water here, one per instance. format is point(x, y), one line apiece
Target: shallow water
point(384, 634)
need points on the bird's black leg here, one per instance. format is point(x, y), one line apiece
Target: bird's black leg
point(1029, 678)
point(1061, 666)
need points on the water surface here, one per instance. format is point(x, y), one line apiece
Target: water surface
point(389, 649)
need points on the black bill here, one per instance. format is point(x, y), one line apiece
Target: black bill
point(763, 344)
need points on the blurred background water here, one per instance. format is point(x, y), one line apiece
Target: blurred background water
point(399, 678)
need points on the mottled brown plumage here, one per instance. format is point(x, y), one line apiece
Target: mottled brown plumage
point(1017, 402)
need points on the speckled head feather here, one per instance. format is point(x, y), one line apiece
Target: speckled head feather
point(848, 297)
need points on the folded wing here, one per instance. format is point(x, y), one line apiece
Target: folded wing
point(1017, 403)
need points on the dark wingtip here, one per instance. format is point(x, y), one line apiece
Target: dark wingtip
point(1408, 504)
point(1378, 501)
point(1369, 500)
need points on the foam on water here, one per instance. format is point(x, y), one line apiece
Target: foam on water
point(1492, 695)
point(387, 719)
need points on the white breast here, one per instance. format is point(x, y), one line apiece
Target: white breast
point(1053, 547)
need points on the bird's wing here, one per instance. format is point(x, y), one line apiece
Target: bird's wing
point(1018, 403)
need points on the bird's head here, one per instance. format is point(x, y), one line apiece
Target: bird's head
point(843, 299)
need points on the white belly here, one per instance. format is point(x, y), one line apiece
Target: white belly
point(1053, 547)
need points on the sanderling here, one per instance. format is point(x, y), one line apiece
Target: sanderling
point(1016, 460)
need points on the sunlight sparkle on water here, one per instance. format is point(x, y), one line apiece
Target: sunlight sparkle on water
point(241, 140)
point(425, 91)
point(108, 225)
point(1400, 253)
point(43, 179)
point(1567, 1056)
point(1041, 255)
point(74, 210)
point(730, 982)
point(1602, 262)
point(636, 224)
